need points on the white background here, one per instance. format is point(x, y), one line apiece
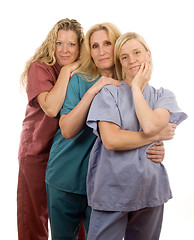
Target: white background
point(166, 25)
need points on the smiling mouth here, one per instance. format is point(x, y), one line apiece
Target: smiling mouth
point(135, 67)
point(65, 57)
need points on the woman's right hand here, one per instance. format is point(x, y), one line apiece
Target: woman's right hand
point(71, 68)
point(52, 101)
point(168, 132)
point(142, 78)
point(103, 81)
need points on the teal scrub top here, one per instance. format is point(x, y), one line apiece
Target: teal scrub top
point(68, 161)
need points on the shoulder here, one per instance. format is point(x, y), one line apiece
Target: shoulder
point(82, 80)
point(77, 77)
point(165, 93)
point(76, 80)
point(160, 92)
point(162, 98)
point(110, 90)
point(40, 68)
point(39, 64)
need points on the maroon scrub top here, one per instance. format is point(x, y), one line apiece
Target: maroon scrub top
point(38, 129)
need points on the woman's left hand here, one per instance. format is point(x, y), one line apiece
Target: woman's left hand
point(142, 78)
point(103, 81)
point(156, 153)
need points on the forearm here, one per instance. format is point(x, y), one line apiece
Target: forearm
point(151, 121)
point(116, 139)
point(128, 140)
point(56, 96)
point(72, 123)
point(51, 102)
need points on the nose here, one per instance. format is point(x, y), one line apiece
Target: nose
point(131, 59)
point(65, 48)
point(101, 50)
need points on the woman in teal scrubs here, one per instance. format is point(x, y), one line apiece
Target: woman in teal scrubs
point(68, 162)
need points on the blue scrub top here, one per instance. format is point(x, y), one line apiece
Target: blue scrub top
point(68, 161)
point(126, 180)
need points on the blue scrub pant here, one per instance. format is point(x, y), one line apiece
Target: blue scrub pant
point(65, 213)
point(144, 224)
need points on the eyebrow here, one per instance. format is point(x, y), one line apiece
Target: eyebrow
point(102, 41)
point(59, 40)
point(135, 49)
point(120, 55)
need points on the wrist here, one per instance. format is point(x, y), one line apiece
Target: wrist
point(135, 89)
point(65, 71)
point(91, 93)
point(156, 137)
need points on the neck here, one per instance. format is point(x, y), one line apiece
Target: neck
point(107, 72)
point(128, 81)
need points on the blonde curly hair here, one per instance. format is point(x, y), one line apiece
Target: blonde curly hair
point(46, 52)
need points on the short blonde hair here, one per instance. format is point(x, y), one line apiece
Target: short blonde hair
point(119, 43)
point(46, 52)
point(88, 67)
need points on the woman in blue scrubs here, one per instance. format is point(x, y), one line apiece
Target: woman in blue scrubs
point(126, 190)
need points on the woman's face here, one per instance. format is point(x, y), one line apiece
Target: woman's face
point(102, 50)
point(131, 56)
point(67, 47)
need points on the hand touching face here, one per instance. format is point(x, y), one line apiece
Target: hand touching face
point(132, 55)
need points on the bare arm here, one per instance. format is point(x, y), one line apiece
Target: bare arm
point(152, 121)
point(72, 123)
point(51, 102)
point(116, 139)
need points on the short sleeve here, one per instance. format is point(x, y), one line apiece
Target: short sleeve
point(167, 100)
point(104, 108)
point(40, 79)
point(72, 96)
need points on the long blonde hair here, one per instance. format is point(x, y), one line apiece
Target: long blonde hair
point(118, 45)
point(88, 67)
point(46, 52)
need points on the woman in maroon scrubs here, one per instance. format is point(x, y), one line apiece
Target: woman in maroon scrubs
point(45, 78)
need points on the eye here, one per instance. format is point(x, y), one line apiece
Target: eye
point(94, 46)
point(137, 52)
point(72, 44)
point(123, 58)
point(108, 43)
point(58, 43)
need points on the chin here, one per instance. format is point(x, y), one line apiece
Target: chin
point(63, 63)
point(134, 71)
